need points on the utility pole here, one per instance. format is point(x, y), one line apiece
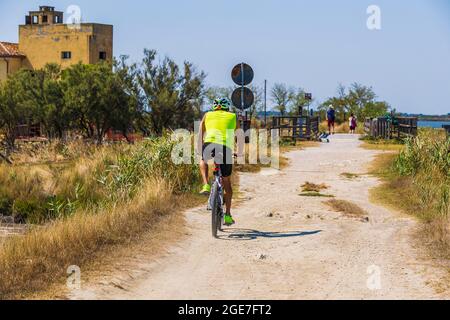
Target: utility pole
point(265, 103)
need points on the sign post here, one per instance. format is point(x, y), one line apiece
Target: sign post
point(243, 98)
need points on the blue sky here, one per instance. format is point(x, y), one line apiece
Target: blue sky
point(313, 44)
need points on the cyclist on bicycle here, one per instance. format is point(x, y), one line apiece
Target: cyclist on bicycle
point(217, 138)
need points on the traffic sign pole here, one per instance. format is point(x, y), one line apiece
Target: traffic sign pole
point(242, 97)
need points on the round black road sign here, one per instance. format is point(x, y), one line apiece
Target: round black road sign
point(245, 103)
point(242, 74)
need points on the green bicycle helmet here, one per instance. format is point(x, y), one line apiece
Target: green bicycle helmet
point(221, 104)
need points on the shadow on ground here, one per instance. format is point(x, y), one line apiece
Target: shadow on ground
point(248, 234)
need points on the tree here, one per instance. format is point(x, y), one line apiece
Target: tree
point(129, 110)
point(358, 99)
point(258, 103)
point(13, 109)
point(96, 98)
point(280, 96)
point(375, 109)
point(297, 99)
point(43, 94)
point(172, 100)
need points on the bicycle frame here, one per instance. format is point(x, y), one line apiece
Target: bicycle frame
point(218, 180)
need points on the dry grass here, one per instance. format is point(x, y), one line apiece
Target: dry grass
point(420, 190)
point(382, 146)
point(350, 176)
point(51, 152)
point(309, 189)
point(163, 232)
point(346, 207)
point(312, 187)
point(30, 262)
point(120, 193)
point(315, 195)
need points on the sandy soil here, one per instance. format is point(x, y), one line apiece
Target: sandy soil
point(286, 246)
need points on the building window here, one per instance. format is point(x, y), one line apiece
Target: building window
point(35, 19)
point(102, 55)
point(44, 19)
point(56, 19)
point(66, 55)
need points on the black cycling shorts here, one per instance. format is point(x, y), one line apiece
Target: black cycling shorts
point(221, 154)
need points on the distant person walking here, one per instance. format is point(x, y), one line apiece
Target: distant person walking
point(331, 117)
point(353, 124)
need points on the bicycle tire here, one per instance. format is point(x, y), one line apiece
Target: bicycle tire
point(215, 212)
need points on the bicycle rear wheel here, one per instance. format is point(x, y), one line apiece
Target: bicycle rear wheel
point(215, 212)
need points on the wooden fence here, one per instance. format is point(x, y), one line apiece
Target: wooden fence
point(296, 127)
point(386, 128)
point(446, 127)
point(24, 131)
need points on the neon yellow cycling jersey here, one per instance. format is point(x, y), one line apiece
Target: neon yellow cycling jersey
point(220, 127)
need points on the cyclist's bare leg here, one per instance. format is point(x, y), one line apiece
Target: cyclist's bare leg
point(228, 193)
point(204, 171)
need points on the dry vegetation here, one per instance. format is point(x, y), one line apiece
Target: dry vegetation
point(417, 181)
point(346, 207)
point(350, 176)
point(383, 145)
point(312, 187)
point(83, 206)
point(309, 189)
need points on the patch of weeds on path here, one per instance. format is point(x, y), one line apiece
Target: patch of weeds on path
point(350, 176)
point(346, 207)
point(315, 194)
point(310, 189)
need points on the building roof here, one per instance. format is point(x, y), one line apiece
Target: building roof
point(10, 50)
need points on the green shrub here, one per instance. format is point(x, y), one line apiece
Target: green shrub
point(29, 211)
point(426, 159)
point(102, 179)
point(5, 206)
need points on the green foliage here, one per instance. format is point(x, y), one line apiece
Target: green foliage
point(29, 210)
point(5, 206)
point(288, 99)
point(13, 109)
point(152, 158)
point(92, 99)
point(280, 96)
point(172, 96)
point(426, 159)
point(357, 99)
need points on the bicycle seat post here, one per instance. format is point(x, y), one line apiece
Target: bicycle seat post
point(216, 169)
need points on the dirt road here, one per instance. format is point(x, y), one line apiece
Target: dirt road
point(290, 247)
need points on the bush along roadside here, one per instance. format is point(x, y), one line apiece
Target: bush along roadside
point(106, 199)
point(417, 181)
point(39, 194)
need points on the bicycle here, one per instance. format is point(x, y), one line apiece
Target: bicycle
point(216, 202)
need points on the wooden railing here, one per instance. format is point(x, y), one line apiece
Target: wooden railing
point(446, 127)
point(296, 127)
point(386, 128)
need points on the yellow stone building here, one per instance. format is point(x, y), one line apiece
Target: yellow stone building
point(11, 59)
point(44, 38)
